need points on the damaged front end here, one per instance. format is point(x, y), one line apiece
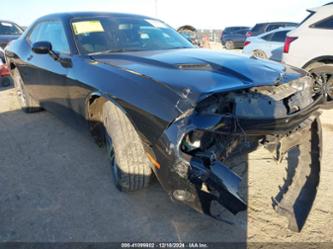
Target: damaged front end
point(194, 150)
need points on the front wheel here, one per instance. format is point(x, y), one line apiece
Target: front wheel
point(129, 163)
point(27, 103)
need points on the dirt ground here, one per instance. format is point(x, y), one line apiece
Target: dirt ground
point(56, 185)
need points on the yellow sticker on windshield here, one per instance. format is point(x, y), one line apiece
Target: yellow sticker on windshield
point(87, 27)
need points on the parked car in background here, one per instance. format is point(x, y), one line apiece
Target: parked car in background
point(5, 78)
point(161, 105)
point(267, 45)
point(310, 46)
point(234, 37)
point(261, 28)
point(2, 55)
point(9, 31)
point(191, 34)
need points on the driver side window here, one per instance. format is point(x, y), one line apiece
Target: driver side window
point(53, 32)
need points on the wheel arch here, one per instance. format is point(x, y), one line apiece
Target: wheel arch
point(327, 59)
point(93, 113)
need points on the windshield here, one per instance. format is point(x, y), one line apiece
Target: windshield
point(7, 28)
point(121, 34)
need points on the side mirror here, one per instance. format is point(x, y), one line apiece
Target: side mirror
point(42, 47)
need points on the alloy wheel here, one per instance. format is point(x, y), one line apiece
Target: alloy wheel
point(259, 54)
point(323, 84)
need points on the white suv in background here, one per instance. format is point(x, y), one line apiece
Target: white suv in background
point(310, 46)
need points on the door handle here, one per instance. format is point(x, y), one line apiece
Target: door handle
point(30, 57)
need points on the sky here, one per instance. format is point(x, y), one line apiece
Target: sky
point(202, 14)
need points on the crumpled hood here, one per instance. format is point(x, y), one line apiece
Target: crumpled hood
point(201, 71)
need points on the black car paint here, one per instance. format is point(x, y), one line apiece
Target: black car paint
point(159, 91)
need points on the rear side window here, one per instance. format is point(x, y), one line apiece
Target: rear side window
point(324, 24)
point(226, 30)
point(274, 26)
point(258, 28)
point(267, 37)
point(242, 32)
point(231, 30)
point(279, 36)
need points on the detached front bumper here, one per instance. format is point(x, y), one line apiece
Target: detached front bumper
point(192, 152)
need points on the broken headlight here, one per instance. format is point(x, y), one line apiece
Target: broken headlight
point(302, 83)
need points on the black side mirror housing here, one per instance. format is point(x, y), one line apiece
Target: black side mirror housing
point(42, 47)
point(45, 47)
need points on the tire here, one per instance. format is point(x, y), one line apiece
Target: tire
point(6, 81)
point(229, 45)
point(130, 166)
point(260, 54)
point(27, 103)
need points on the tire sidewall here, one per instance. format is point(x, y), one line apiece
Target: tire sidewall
point(112, 158)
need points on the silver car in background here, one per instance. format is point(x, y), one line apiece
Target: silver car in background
point(268, 45)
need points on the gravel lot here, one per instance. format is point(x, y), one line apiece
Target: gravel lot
point(56, 185)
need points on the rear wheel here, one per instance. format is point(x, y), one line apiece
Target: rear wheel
point(229, 45)
point(129, 163)
point(28, 104)
point(260, 54)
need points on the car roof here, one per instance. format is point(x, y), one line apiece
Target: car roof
point(9, 22)
point(273, 23)
point(70, 15)
point(233, 27)
point(277, 30)
point(328, 6)
point(318, 14)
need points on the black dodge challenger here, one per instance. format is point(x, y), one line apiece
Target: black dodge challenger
point(162, 106)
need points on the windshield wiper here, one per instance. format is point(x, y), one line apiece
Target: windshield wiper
point(102, 52)
point(109, 51)
point(181, 47)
